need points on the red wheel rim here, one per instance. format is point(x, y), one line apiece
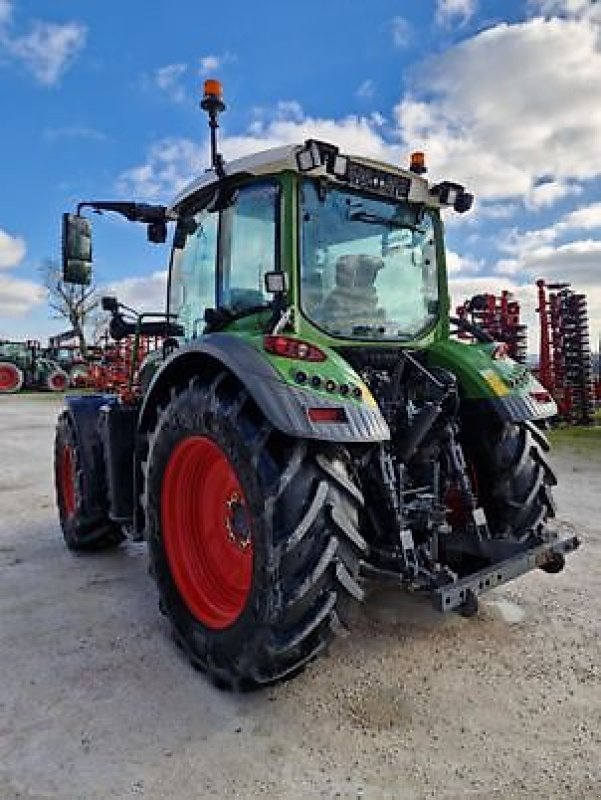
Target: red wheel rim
point(9, 377)
point(207, 532)
point(66, 476)
point(57, 382)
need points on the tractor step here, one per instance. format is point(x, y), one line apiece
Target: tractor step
point(548, 556)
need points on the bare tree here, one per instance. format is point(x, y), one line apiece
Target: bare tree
point(74, 303)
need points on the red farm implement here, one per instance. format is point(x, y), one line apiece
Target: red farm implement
point(565, 365)
point(499, 317)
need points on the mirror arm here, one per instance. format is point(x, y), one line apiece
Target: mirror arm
point(134, 212)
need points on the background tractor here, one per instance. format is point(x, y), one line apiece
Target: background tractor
point(62, 350)
point(23, 365)
point(306, 424)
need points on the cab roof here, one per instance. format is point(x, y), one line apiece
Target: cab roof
point(281, 159)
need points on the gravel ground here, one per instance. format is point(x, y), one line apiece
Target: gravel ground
point(97, 702)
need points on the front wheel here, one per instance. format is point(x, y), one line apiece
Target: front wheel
point(81, 493)
point(254, 538)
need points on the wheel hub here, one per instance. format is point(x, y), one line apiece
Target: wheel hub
point(237, 522)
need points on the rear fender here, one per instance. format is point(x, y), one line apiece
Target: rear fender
point(493, 386)
point(284, 405)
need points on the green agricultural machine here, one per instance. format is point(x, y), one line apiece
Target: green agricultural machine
point(24, 366)
point(308, 426)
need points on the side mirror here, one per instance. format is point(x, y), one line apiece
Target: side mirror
point(275, 282)
point(77, 250)
point(157, 232)
point(109, 304)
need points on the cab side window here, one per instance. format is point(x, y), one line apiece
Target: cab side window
point(249, 246)
point(193, 273)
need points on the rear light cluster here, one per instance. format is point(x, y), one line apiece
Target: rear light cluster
point(317, 382)
point(287, 347)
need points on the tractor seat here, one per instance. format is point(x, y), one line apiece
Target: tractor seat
point(354, 296)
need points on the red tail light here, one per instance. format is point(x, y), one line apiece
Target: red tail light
point(326, 415)
point(287, 347)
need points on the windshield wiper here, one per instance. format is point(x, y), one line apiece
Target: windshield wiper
point(376, 219)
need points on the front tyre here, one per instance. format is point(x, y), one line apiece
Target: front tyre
point(253, 537)
point(80, 493)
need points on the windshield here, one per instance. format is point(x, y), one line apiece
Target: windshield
point(368, 266)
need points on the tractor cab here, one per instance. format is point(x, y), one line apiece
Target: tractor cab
point(351, 249)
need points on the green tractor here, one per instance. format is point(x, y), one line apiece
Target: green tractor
point(23, 365)
point(308, 425)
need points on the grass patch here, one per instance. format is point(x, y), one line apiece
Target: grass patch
point(582, 439)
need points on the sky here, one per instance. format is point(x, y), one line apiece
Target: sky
point(100, 100)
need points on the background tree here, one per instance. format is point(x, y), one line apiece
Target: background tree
point(76, 304)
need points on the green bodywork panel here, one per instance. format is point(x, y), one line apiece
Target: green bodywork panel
point(481, 376)
point(334, 368)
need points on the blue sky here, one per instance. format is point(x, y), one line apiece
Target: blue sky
point(101, 100)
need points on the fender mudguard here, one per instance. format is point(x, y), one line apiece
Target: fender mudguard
point(84, 413)
point(501, 387)
point(284, 405)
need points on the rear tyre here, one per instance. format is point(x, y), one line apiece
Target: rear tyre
point(81, 494)
point(253, 537)
point(513, 477)
point(11, 377)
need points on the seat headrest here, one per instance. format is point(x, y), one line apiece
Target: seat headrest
point(357, 270)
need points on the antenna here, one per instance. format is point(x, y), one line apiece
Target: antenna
point(213, 104)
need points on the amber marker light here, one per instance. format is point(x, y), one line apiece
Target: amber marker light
point(417, 162)
point(213, 88)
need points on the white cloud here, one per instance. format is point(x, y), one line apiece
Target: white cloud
point(401, 31)
point(366, 90)
point(448, 11)
point(496, 211)
point(458, 265)
point(171, 163)
point(167, 79)
point(524, 141)
point(12, 250)
point(143, 294)
point(547, 193)
point(576, 262)
point(289, 109)
point(18, 296)
point(209, 64)
point(47, 50)
point(585, 218)
point(505, 129)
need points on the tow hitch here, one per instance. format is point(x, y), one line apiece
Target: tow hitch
point(549, 556)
